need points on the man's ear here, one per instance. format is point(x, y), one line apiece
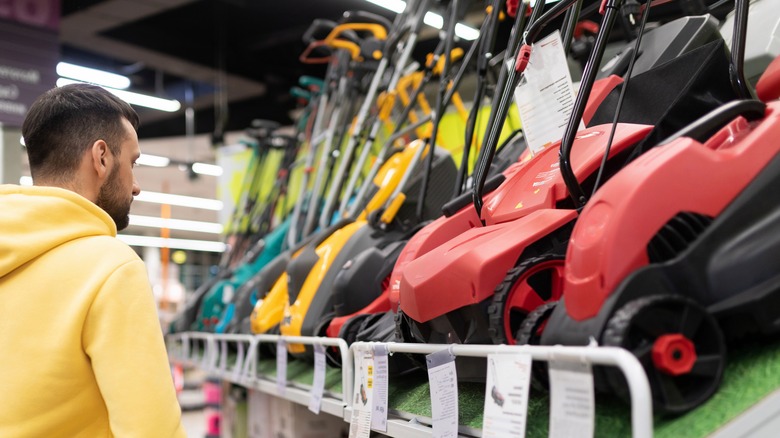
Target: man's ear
point(100, 156)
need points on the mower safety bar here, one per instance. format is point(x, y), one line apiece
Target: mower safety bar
point(318, 30)
point(704, 128)
point(363, 16)
point(536, 27)
point(311, 81)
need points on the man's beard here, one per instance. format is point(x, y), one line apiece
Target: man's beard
point(111, 201)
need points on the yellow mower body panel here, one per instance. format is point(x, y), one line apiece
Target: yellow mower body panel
point(387, 179)
point(327, 252)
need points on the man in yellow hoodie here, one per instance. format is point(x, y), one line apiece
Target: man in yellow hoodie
point(82, 349)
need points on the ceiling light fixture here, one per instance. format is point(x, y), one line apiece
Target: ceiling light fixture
point(153, 160)
point(463, 31)
point(168, 105)
point(207, 169)
point(93, 76)
point(179, 200)
point(176, 224)
point(159, 242)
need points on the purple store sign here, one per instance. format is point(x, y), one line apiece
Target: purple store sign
point(37, 13)
point(29, 52)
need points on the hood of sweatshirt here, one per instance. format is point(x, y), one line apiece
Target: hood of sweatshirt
point(33, 220)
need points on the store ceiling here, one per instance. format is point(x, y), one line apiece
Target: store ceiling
point(172, 47)
point(243, 53)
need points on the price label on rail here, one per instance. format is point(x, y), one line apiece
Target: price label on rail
point(281, 366)
point(443, 381)
point(379, 413)
point(506, 395)
point(572, 402)
point(318, 384)
point(362, 394)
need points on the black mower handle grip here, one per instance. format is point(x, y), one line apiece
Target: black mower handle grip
point(465, 198)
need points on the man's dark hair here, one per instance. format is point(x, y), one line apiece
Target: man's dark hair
point(65, 121)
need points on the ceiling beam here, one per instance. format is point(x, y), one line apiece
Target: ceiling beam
point(82, 30)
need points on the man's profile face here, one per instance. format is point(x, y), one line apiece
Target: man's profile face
point(117, 192)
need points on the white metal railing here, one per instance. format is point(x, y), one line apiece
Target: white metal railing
point(639, 387)
point(210, 352)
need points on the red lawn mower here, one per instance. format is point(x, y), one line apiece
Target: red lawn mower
point(677, 254)
point(479, 286)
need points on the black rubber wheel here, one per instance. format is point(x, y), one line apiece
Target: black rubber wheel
point(530, 333)
point(679, 344)
point(532, 283)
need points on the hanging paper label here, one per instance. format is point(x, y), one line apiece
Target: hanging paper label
point(443, 381)
point(223, 356)
point(318, 384)
point(239, 365)
point(227, 293)
point(506, 395)
point(545, 96)
point(362, 394)
point(572, 403)
point(379, 414)
point(281, 366)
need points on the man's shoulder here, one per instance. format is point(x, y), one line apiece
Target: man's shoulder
point(105, 248)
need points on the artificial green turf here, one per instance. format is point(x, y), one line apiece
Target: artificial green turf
point(752, 372)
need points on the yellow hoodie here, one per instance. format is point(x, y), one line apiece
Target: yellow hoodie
point(82, 349)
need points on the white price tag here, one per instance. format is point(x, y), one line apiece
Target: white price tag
point(281, 366)
point(362, 394)
point(223, 356)
point(318, 384)
point(227, 293)
point(443, 381)
point(239, 365)
point(545, 96)
point(506, 395)
point(379, 414)
point(572, 403)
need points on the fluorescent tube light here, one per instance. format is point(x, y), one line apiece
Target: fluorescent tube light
point(159, 242)
point(179, 200)
point(91, 75)
point(467, 33)
point(153, 160)
point(434, 20)
point(168, 105)
point(176, 224)
point(207, 169)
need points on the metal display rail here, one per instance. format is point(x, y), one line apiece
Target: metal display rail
point(211, 353)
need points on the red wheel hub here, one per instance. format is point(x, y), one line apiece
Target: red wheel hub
point(523, 298)
point(674, 354)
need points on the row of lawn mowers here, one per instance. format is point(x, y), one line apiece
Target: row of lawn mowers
point(396, 213)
